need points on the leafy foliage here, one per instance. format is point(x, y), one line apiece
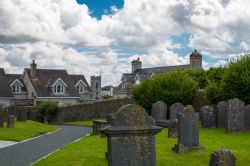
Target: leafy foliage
point(213, 93)
point(168, 87)
point(198, 75)
point(47, 109)
point(236, 80)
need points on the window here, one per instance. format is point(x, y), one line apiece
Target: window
point(97, 85)
point(16, 89)
point(59, 88)
point(80, 88)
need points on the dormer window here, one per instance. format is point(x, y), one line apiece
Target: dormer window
point(16, 87)
point(59, 87)
point(80, 86)
point(137, 81)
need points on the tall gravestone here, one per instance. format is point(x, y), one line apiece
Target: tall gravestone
point(247, 118)
point(1, 117)
point(222, 157)
point(175, 109)
point(188, 131)
point(159, 113)
point(221, 114)
point(208, 117)
point(10, 121)
point(235, 116)
point(131, 139)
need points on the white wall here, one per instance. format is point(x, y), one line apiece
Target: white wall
point(5, 101)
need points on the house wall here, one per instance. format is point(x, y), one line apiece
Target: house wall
point(5, 101)
point(23, 95)
point(60, 101)
point(120, 95)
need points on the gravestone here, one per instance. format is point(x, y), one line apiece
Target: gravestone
point(109, 118)
point(247, 118)
point(208, 117)
point(159, 111)
point(131, 139)
point(10, 121)
point(188, 131)
point(1, 117)
point(21, 114)
point(173, 129)
point(221, 114)
point(98, 124)
point(222, 157)
point(175, 109)
point(235, 116)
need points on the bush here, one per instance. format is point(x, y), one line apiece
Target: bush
point(168, 87)
point(236, 80)
point(47, 110)
point(213, 93)
point(198, 75)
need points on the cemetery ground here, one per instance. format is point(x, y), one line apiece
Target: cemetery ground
point(81, 123)
point(24, 130)
point(91, 150)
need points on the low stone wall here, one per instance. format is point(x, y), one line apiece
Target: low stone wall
point(90, 111)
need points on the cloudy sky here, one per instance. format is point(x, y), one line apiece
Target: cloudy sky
point(94, 37)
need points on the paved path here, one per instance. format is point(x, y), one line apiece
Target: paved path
point(26, 153)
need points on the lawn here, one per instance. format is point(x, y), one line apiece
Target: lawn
point(91, 150)
point(24, 130)
point(82, 123)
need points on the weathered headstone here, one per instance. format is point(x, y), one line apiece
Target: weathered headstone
point(109, 118)
point(188, 131)
point(235, 116)
point(1, 117)
point(131, 139)
point(10, 121)
point(173, 129)
point(221, 114)
point(21, 114)
point(247, 118)
point(175, 109)
point(159, 111)
point(208, 117)
point(222, 157)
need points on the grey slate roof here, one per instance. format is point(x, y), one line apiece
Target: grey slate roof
point(5, 90)
point(162, 69)
point(76, 78)
point(44, 77)
point(120, 90)
point(129, 77)
point(144, 76)
point(12, 77)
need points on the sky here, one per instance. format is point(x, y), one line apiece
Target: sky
point(102, 37)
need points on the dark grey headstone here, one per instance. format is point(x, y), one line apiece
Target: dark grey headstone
point(175, 109)
point(21, 114)
point(159, 111)
point(222, 157)
point(208, 117)
point(247, 118)
point(10, 121)
point(173, 129)
point(188, 131)
point(110, 119)
point(1, 117)
point(98, 124)
point(131, 139)
point(221, 114)
point(235, 116)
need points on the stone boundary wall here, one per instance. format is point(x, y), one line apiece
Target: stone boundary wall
point(89, 111)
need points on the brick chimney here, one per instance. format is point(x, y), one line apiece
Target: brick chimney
point(136, 64)
point(33, 69)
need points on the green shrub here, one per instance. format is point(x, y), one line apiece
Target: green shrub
point(213, 93)
point(215, 74)
point(236, 80)
point(198, 75)
point(47, 110)
point(168, 87)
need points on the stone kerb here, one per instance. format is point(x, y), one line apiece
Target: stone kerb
point(208, 117)
point(131, 137)
point(175, 109)
point(235, 116)
point(221, 114)
point(188, 131)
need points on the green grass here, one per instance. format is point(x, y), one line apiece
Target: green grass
point(24, 130)
point(83, 123)
point(91, 150)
